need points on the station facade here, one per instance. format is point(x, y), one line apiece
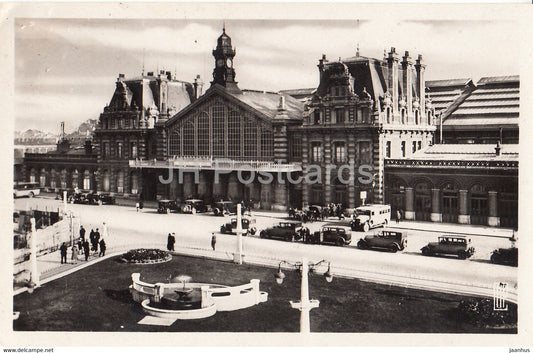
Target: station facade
point(162, 138)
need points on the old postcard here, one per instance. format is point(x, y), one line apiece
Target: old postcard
point(253, 174)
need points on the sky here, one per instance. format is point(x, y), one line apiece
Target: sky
point(65, 69)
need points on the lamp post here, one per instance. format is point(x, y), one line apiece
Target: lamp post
point(239, 232)
point(305, 304)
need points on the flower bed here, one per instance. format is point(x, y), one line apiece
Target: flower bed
point(146, 256)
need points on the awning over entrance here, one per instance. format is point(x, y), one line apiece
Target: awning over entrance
point(207, 163)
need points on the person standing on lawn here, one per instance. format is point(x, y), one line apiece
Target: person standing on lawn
point(96, 240)
point(63, 250)
point(170, 242)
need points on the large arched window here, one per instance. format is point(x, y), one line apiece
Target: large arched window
point(267, 143)
point(203, 134)
point(106, 181)
point(42, 178)
point(219, 127)
point(87, 180)
point(174, 143)
point(188, 139)
point(33, 177)
point(250, 138)
point(63, 177)
point(423, 201)
point(234, 134)
point(478, 204)
point(120, 181)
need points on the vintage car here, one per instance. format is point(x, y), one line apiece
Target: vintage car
point(505, 256)
point(80, 197)
point(370, 216)
point(194, 206)
point(289, 231)
point(450, 245)
point(384, 239)
point(332, 233)
point(224, 208)
point(105, 198)
point(167, 206)
point(247, 224)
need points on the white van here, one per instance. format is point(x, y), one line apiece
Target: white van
point(370, 216)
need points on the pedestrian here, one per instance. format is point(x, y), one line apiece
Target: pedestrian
point(137, 207)
point(170, 242)
point(96, 240)
point(91, 238)
point(82, 233)
point(63, 250)
point(213, 241)
point(86, 250)
point(74, 254)
point(102, 247)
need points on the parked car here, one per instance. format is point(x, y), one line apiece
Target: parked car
point(370, 216)
point(224, 208)
point(194, 206)
point(105, 198)
point(505, 256)
point(450, 245)
point(30, 190)
point(384, 239)
point(80, 197)
point(247, 224)
point(167, 206)
point(289, 231)
point(332, 233)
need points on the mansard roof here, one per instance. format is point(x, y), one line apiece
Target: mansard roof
point(143, 92)
point(467, 152)
point(266, 105)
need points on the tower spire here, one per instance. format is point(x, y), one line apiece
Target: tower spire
point(224, 27)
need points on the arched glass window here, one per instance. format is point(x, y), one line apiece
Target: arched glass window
point(120, 181)
point(250, 138)
point(42, 178)
point(188, 139)
point(203, 134)
point(33, 177)
point(219, 127)
point(267, 143)
point(234, 134)
point(175, 143)
point(87, 180)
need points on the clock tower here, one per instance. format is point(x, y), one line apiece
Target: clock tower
point(224, 74)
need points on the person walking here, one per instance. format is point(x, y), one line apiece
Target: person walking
point(398, 215)
point(74, 254)
point(82, 233)
point(63, 250)
point(102, 247)
point(213, 241)
point(86, 250)
point(91, 238)
point(170, 242)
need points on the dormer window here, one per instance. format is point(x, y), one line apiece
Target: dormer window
point(316, 117)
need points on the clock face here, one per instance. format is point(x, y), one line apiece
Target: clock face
point(228, 62)
point(220, 62)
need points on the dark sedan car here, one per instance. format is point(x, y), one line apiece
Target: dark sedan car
point(505, 256)
point(385, 239)
point(289, 231)
point(247, 225)
point(167, 206)
point(450, 245)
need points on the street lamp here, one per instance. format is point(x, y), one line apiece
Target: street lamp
point(305, 304)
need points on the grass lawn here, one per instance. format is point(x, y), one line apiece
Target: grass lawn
point(97, 299)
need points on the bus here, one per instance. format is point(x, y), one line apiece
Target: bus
point(21, 189)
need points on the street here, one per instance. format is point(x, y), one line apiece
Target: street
point(128, 227)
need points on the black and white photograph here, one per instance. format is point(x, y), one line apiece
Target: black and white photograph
point(200, 170)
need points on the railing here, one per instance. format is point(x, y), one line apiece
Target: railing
point(409, 163)
point(210, 163)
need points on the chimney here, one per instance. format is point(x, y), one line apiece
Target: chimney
point(498, 148)
point(198, 87)
point(120, 77)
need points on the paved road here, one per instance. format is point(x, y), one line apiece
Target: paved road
point(193, 232)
